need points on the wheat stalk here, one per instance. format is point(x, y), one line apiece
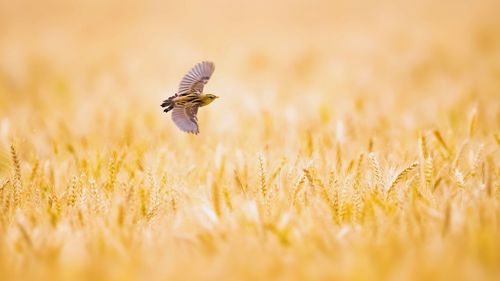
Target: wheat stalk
point(216, 198)
point(276, 172)
point(298, 188)
point(239, 182)
point(476, 162)
point(376, 171)
point(428, 171)
point(424, 152)
point(401, 176)
point(472, 122)
point(17, 183)
point(357, 175)
point(262, 177)
point(441, 141)
point(338, 158)
point(496, 136)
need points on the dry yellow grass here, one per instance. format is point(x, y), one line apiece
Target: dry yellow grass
point(353, 140)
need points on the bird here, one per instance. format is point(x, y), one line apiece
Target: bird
point(185, 103)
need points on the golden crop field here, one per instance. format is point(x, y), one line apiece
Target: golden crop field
point(352, 140)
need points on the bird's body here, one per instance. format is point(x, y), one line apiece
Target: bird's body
point(185, 103)
point(195, 99)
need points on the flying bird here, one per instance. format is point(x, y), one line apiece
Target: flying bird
point(185, 103)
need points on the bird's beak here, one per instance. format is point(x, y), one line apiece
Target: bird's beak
point(216, 97)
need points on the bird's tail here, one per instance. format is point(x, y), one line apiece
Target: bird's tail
point(168, 104)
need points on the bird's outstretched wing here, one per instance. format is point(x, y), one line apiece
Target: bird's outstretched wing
point(196, 78)
point(184, 116)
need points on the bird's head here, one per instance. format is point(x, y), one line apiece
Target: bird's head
point(209, 98)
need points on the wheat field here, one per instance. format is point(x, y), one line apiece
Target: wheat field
point(353, 140)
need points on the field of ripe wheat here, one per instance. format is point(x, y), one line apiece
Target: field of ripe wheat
point(352, 140)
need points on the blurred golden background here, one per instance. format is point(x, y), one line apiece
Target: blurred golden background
point(324, 105)
point(94, 56)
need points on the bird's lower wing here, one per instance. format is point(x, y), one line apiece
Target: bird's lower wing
point(184, 116)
